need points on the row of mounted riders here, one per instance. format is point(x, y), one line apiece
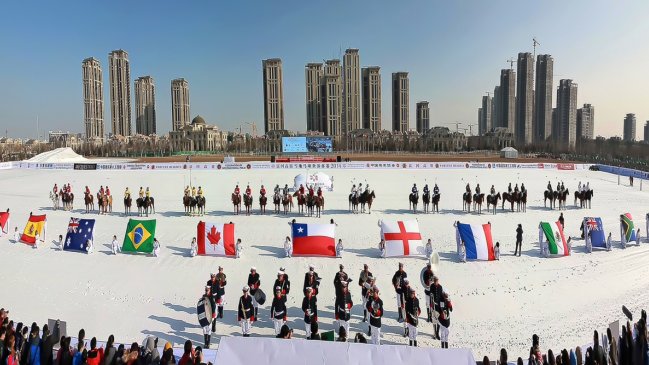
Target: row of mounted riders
point(309, 201)
point(64, 199)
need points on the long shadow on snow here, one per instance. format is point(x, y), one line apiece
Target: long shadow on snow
point(365, 252)
point(180, 251)
point(273, 251)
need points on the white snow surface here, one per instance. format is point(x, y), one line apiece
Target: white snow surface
point(496, 304)
point(58, 155)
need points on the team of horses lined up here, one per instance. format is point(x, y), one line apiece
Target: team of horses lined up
point(308, 204)
point(65, 201)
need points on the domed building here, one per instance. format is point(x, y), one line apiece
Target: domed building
point(198, 136)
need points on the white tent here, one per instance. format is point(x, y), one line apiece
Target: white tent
point(509, 152)
point(319, 179)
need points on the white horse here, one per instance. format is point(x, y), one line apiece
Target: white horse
point(55, 200)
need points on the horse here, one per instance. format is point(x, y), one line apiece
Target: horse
point(426, 200)
point(310, 203)
point(561, 197)
point(262, 203)
point(89, 201)
point(436, 198)
point(287, 202)
point(367, 198)
point(550, 195)
point(413, 200)
point(247, 202)
point(521, 201)
point(301, 201)
point(189, 203)
point(145, 205)
point(236, 202)
point(584, 198)
point(55, 200)
point(68, 201)
point(509, 198)
point(200, 205)
point(127, 205)
point(277, 201)
point(354, 201)
point(493, 200)
point(478, 199)
point(319, 205)
point(466, 201)
point(102, 203)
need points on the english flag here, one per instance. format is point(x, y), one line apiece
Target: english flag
point(402, 238)
point(314, 239)
point(216, 239)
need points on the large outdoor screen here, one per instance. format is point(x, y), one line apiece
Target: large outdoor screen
point(307, 145)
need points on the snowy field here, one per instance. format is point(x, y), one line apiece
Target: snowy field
point(496, 304)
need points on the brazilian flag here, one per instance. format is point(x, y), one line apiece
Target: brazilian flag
point(139, 236)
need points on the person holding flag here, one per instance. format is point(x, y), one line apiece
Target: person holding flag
point(245, 312)
point(115, 246)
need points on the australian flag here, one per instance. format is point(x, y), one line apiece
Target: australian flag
point(79, 232)
point(595, 229)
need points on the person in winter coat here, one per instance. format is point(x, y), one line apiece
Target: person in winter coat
point(95, 355)
point(412, 311)
point(562, 221)
point(109, 352)
point(519, 240)
point(278, 311)
point(34, 347)
point(48, 342)
point(150, 354)
point(188, 354)
point(9, 355)
point(64, 355)
point(310, 309)
point(77, 359)
point(132, 356)
point(168, 357)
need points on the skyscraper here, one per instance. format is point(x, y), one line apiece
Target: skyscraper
point(423, 117)
point(496, 109)
point(542, 121)
point(273, 95)
point(313, 76)
point(180, 115)
point(507, 106)
point(586, 122)
point(145, 106)
point(646, 131)
point(120, 92)
point(331, 90)
point(400, 102)
point(565, 131)
point(524, 98)
point(372, 98)
point(93, 98)
point(485, 118)
point(629, 127)
point(351, 91)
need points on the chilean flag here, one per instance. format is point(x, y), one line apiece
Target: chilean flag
point(4, 222)
point(402, 238)
point(314, 239)
point(215, 239)
point(477, 241)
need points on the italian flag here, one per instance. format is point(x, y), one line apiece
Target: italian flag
point(556, 240)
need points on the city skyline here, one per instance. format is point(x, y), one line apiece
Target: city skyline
point(227, 91)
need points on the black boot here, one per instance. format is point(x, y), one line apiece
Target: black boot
point(369, 330)
point(207, 342)
point(429, 315)
point(364, 315)
point(409, 342)
point(214, 325)
point(220, 312)
point(256, 313)
point(415, 341)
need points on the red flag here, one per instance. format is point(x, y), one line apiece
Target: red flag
point(4, 219)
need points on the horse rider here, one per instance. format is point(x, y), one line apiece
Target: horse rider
point(193, 191)
point(435, 190)
point(563, 188)
point(477, 189)
point(516, 190)
point(237, 191)
point(285, 190)
point(187, 190)
point(107, 191)
point(579, 187)
point(248, 191)
point(200, 192)
point(468, 188)
point(359, 191)
point(301, 189)
point(147, 192)
point(55, 189)
point(262, 191)
point(558, 186)
point(141, 193)
point(509, 188)
point(414, 191)
point(127, 193)
point(87, 192)
point(69, 189)
point(492, 191)
point(523, 191)
point(101, 190)
point(311, 191)
point(276, 189)
point(549, 187)
point(588, 186)
point(426, 190)
point(353, 192)
point(319, 192)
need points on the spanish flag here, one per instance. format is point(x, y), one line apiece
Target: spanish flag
point(35, 226)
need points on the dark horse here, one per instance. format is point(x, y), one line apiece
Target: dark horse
point(413, 199)
point(521, 201)
point(236, 202)
point(277, 202)
point(466, 201)
point(145, 205)
point(562, 197)
point(287, 202)
point(584, 198)
point(262, 203)
point(478, 199)
point(127, 204)
point(367, 198)
point(552, 196)
point(194, 205)
point(301, 201)
point(493, 200)
point(68, 201)
point(509, 198)
point(319, 204)
point(426, 200)
point(436, 198)
point(247, 202)
point(354, 200)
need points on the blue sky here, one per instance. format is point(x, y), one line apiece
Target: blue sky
point(453, 50)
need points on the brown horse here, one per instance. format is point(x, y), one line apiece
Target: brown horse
point(367, 198)
point(584, 198)
point(562, 197)
point(236, 202)
point(436, 198)
point(262, 203)
point(301, 201)
point(190, 204)
point(127, 204)
point(493, 200)
point(509, 198)
point(247, 202)
point(277, 201)
point(89, 201)
point(145, 206)
point(68, 201)
point(102, 203)
point(466, 202)
point(478, 199)
point(319, 205)
point(521, 201)
point(287, 202)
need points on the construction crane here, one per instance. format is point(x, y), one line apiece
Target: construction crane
point(471, 128)
point(488, 93)
point(457, 125)
point(534, 44)
point(511, 62)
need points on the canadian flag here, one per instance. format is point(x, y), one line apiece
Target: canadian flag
point(215, 239)
point(402, 238)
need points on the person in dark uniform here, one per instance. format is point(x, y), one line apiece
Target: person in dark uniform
point(311, 280)
point(362, 282)
point(254, 283)
point(206, 330)
point(283, 284)
point(428, 281)
point(412, 316)
point(220, 295)
point(398, 284)
point(214, 289)
point(436, 292)
point(310, 309)
point(278, 311)
point(374, 306)
point(341, 276)
point(245, 312)
point(343, 306)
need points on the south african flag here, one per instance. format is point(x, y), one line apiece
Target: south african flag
point(139, 236)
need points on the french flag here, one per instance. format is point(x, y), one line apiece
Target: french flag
point(477, 241)
point(314, 239)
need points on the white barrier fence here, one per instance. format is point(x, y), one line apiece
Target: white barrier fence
point(360, 165)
